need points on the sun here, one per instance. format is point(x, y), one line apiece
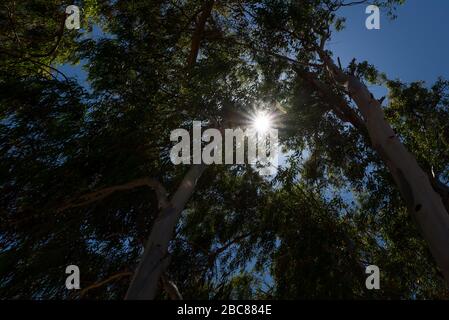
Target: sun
point(261, 122)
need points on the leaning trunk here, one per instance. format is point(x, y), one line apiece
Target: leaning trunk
point(155, 258)
point(423, 202)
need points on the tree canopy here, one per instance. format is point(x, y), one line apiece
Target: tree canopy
point(86, 173)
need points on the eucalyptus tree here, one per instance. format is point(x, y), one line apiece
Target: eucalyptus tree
point(87, 177)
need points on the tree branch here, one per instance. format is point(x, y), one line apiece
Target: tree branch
point(106, 192)
point(58, 41)
point(170, 287)
point(337, 103)
point(101, 283)
point(198, 33)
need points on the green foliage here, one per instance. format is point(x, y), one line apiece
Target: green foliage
point(308, 232)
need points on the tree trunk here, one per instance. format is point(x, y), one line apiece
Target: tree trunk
point(423, 202)
point(155, 259)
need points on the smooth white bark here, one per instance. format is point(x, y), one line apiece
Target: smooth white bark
point(155, 258)
point(423, 202)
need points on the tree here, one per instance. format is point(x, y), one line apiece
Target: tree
point(87, 176)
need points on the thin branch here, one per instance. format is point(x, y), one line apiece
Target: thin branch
point(213, 255)
point(102, 283)
point(56, 45)
point(353, 3)
point(41, 64)
point(106, 192)
point(170, 288)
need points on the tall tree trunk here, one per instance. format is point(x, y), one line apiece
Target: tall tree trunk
point(423, 202)
point(155, 258)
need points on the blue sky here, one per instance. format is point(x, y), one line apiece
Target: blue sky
point(415, 46)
